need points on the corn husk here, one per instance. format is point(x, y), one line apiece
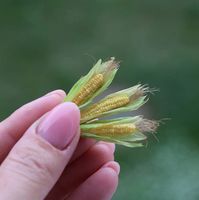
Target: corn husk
point(136, 138)
point(126, 131)
point(108, 69)
point(133, 99)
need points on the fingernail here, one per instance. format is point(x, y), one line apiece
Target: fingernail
point(111, 146)
point(56, 92)
point(113, 165)
point(61, 125)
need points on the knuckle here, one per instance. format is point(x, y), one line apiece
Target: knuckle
point(32, 163)
point(26, 109)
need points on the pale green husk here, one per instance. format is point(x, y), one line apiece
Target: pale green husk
point(134, 139)
point(132, 106)
point(109, 70)
point(98, 68)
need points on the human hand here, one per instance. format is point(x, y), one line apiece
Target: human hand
point(42, 157)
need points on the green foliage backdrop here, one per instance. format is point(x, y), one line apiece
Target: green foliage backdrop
point(45, 45)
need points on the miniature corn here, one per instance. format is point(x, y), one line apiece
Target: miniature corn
point(94, 83)
point(127, 131)
point(125, 100)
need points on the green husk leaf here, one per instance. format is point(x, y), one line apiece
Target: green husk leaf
point(82, 81)
point(132, 106)
point(102, 89)
point(120, 120)
point(99, 67)
point(116, 141)
point(83, 94)
point(132, 140)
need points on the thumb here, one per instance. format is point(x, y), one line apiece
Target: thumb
point(36, 162)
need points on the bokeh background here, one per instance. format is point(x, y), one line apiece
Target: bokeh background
point(45, 45)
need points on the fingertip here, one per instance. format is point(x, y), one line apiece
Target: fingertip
point(60, 126)
point(110, 173)
point(100, 185)
point(111, 146)
point(104, 149)
point(73, 109)
point(59, 92)
point(108, 178)
point(114, 166)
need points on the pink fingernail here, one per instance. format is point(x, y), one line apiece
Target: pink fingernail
point(57, 92)
point(111, 146)
point(113, 165)
point(60, 125)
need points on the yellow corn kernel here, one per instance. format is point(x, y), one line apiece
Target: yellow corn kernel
point(113, 130)
point(90, 88)
point(104, 106)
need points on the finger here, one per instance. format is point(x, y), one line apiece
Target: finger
point(77, 172)
point(110, 145)
point(83, 146)
point(36, 162)
point(12, 128)
point(99, 186)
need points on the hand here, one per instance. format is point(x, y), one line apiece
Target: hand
point(42, 157)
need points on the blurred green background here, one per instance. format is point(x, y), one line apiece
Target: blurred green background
point(45, 45)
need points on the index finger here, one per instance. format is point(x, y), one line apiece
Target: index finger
point(12, 128)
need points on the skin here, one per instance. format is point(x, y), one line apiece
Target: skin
point(33, 168)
